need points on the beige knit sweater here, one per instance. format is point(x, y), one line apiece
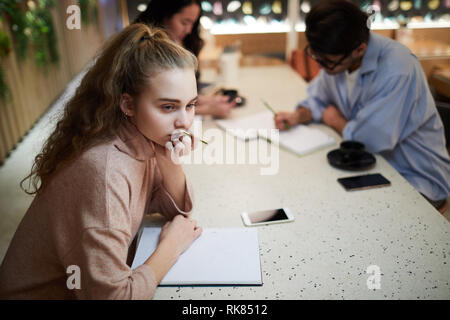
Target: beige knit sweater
point(87, 216)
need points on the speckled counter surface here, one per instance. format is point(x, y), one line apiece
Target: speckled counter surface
point(336, 235)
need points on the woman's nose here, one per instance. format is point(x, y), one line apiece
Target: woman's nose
point(181, 120)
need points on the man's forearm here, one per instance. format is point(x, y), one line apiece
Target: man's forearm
point(304, 115)
point(339, 125)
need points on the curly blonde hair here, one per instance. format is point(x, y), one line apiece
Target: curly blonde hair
point(93, 114)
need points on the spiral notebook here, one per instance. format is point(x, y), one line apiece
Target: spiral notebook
point(300, 139)
point(228, 256)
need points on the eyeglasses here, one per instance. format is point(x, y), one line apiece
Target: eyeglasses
point(324, 62)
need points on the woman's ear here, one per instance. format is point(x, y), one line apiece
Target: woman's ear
point(127, 105)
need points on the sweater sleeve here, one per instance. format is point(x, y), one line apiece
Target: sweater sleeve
point(100, 256)
point(102, 234)
point(162, 202)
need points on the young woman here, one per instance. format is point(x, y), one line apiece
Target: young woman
point(108, 162)
point(181, 20)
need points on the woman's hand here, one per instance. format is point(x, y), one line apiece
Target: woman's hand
point(176, 236)
point(215, 105)
point(169, 164)
point(179, 233)
point(180, 144)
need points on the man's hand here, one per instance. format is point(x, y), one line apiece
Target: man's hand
point(332, 117)
point(301, 115)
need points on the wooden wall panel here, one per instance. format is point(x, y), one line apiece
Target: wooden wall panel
point(437, 34)
point(390, 33)
point(81, 45)
point(3, 149)
point(34, 89)
point(255, 43)
point(263, 43)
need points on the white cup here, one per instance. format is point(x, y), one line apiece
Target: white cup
point(229, 67)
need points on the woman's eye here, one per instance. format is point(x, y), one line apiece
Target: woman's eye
point(191, 105)
point(168, 107)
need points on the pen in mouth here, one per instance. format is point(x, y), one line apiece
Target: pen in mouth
point(190, 135)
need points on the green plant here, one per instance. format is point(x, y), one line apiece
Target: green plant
point(4, 90)
point(42, 33)
point(13, 11)
point(89, 11)
point(5, 48)
point(30, 23)
point(5, 44)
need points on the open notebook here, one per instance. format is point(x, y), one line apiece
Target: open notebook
point(227, 256)
point(300, 139)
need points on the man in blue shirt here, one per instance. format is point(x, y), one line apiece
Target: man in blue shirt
point(372, 89)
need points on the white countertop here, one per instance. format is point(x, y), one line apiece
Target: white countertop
point(336, 235)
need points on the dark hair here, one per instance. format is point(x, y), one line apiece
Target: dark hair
point(159, 10)
point(336, 27)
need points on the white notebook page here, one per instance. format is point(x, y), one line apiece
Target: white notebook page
point(300, 139)
point(228, 256)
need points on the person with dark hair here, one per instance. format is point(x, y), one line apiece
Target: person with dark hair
point(180, 19)
point(111, 159)
point(373, 89)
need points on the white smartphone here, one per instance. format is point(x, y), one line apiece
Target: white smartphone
point(258, 218)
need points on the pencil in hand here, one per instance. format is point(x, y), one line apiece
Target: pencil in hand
point(286, 124)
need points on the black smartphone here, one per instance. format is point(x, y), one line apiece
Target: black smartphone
point(364, 182)
point(233, 95)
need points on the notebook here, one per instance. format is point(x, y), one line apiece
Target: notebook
point(246, 128)
point(300, 139)
point(228, 256)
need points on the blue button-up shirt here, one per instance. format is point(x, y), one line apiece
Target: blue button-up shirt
point(392, 112)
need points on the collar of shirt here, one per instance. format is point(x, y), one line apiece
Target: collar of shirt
point(132, 142)
point(370, 59)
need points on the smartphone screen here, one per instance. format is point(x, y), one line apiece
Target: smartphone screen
point(364, 182)
point(267, 215)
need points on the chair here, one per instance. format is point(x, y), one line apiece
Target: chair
point(444, 112)
point(304, 65)
point(443, 208)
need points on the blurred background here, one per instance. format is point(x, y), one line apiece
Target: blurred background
point(42, 60)
point(40, 55)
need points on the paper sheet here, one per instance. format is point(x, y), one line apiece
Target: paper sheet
point(246, 128)
point(300, 139)
point(227, 256)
